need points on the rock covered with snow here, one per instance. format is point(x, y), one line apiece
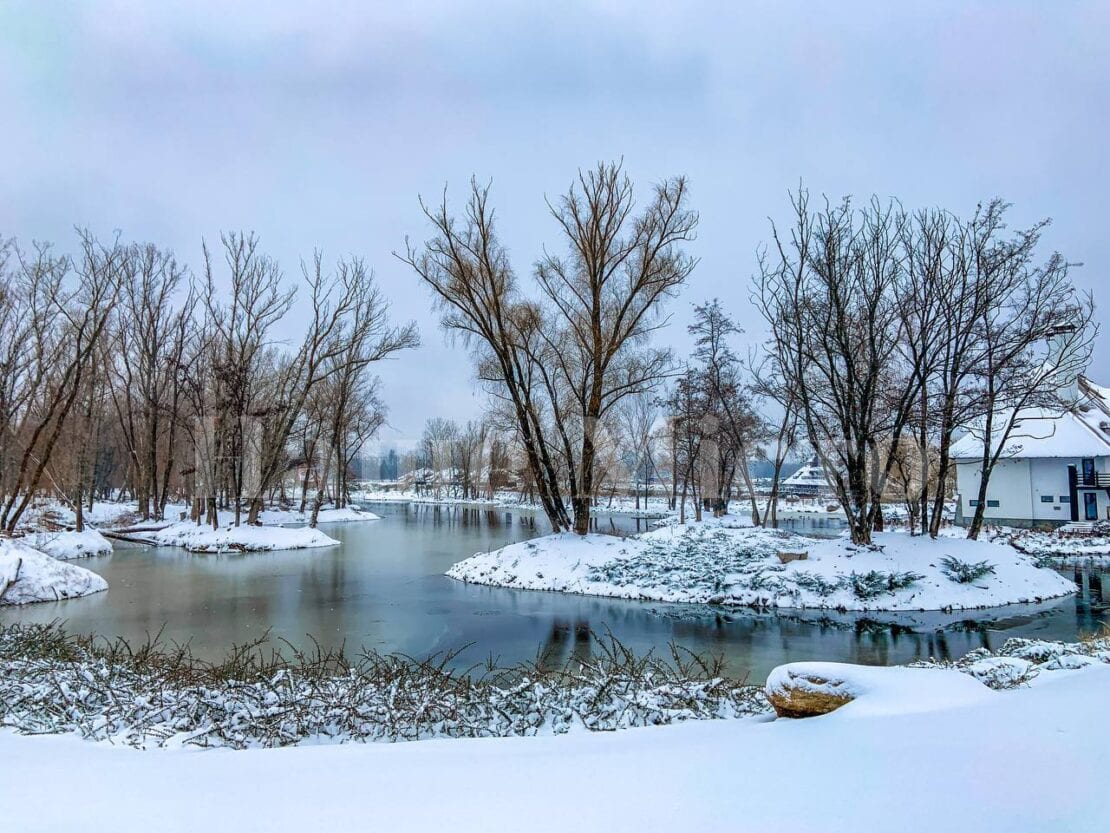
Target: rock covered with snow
point(242, 538)
point(740, 565)
point(27, 575)
point(810, 689)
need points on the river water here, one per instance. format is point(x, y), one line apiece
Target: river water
point(384, 589)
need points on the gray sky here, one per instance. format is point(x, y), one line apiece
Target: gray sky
point(319, 124)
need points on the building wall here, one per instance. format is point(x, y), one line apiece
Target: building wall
point(1049, 478)
point(1018, 487)
point(1009, 486)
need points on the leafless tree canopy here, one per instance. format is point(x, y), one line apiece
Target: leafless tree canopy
point(895, 328)
point(123, 375)
point(565, 359)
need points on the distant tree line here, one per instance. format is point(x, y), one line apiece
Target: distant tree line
point(124, 373)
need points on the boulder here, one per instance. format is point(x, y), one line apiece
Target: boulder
point(786, 556)
point(795, 691)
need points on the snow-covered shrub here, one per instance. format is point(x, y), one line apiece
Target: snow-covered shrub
point(816, 583)
point(875, 583)
point(1020, 660)
point(1002, 672)
point(697, 561)
point(965, 572)
point(158, 695)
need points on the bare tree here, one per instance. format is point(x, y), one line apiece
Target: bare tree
point(151, 333)
point(66, 329)
point(1036, 343)
point(829, 294)
point(565, 363)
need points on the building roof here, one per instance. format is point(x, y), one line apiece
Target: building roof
point(1080, 430)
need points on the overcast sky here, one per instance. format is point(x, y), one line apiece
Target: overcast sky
point(318, 124)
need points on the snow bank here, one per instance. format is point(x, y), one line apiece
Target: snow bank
point(873, 691)
point(1066, 549)
point(276, 517)
point(986, 766)
point(27, 575)
point(736, 565)
point(239, 538)
point(67, 545)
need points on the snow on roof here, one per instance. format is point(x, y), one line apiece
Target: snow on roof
point(1080, 431)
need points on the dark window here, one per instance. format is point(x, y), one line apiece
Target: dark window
point(1089, 472)
point(992, 503)
point(973, 503)
point(1090, 506)
point(1046, 498)
point(1065, 498)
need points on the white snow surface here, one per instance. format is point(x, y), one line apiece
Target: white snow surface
point(979, 763)
point(27, 575)
point(239, 538)
point(736, 565)
point(271, 517)
point(66, 545)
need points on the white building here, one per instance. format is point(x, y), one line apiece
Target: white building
point(1054, 469)
point(808, 481)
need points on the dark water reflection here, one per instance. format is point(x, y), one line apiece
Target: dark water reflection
point(385, 589)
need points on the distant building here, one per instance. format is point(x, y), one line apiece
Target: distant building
point(808, 481)
point(390, 466)
point(1054, 470)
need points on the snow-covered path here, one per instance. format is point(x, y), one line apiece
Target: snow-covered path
point(1032, 759)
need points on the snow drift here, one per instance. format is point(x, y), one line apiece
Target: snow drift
point(240, 538)
point(27, 575)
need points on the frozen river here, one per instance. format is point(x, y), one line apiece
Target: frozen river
point(384, 589)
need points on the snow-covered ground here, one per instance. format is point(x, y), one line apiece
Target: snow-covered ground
point(27, 575)
point(619, 505)
point(897, 758)
point(655, 507)
point(278, 517)
point(65, 545)
point(243, 538)
point(721, 563)
point(1065, 549)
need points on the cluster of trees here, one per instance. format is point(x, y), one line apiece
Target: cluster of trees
point(892, 331)
point(121, 370)
point(897, 329)
point(461, 461)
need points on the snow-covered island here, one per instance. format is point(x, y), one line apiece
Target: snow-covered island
point(716, 563)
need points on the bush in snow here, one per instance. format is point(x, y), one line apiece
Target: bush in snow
point(875, 583)
point(818, 584)
point(159, 695)
point(1020, 660)
point(706, 561)
point(965, 572)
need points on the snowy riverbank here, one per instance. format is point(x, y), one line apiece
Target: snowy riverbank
point(898, 746)
point(736, 565)
point(28, 575)
point(275, 533)
point(655, 508)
